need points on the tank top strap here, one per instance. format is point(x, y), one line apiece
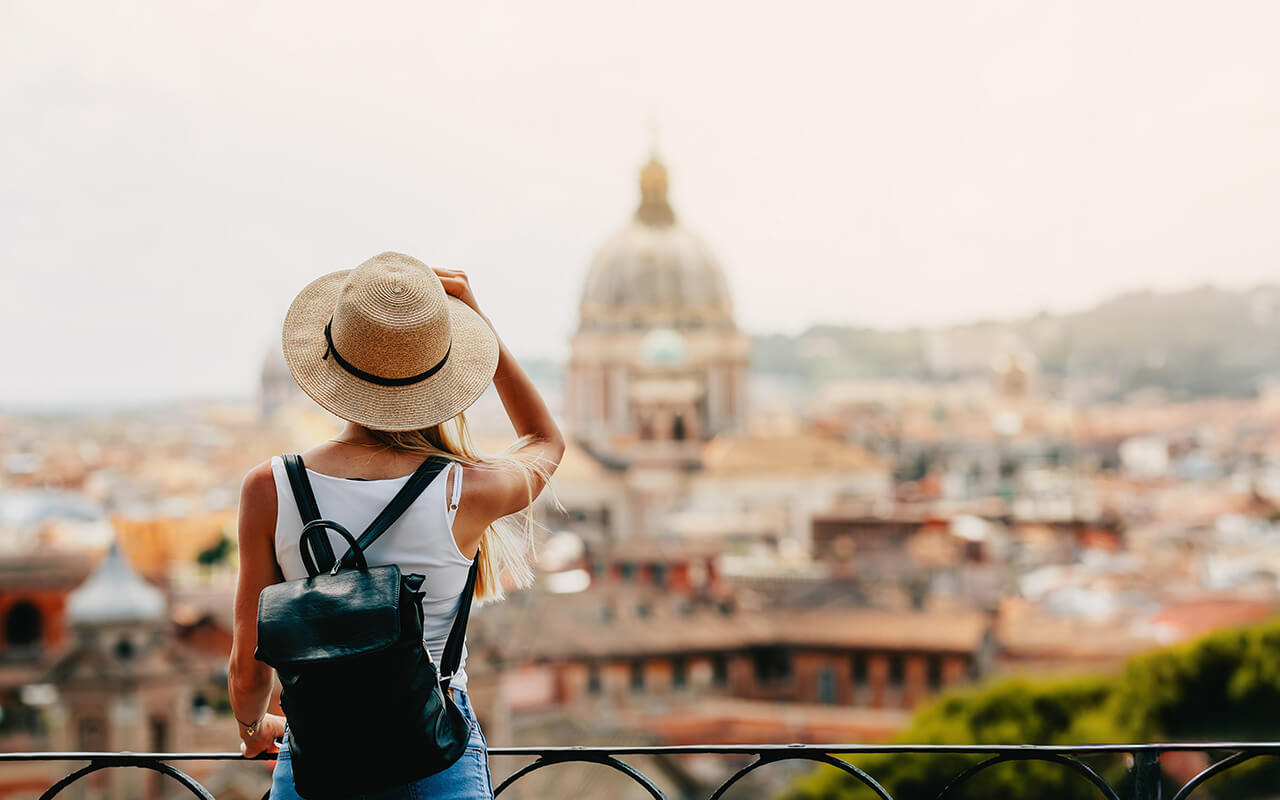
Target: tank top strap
point(452, 508)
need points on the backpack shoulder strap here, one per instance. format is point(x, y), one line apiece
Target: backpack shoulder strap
point(317, 555)
point(452, 655)
point(417, 482)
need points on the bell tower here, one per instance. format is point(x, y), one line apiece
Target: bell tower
point(123, 685)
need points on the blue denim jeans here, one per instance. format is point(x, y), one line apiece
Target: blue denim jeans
point(466, 779)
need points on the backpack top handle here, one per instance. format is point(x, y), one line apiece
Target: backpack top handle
point(342, 531)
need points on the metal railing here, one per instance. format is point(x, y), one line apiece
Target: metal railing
point(1144, 771)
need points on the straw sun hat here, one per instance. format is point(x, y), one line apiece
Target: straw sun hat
point(384, 346)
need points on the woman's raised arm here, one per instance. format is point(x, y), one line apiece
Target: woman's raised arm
point(505, 492)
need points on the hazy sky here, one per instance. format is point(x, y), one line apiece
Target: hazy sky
point(172, 173)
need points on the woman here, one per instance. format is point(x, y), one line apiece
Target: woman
point(398, 350)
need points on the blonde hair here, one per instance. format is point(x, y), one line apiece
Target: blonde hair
point(507, 545)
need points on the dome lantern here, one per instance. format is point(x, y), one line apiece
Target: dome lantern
point(654, 207)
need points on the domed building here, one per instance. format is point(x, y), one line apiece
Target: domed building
point(277, 388)
point(657, 365)
point(124, 683)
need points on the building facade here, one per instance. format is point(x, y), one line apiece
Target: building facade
point(657, 364)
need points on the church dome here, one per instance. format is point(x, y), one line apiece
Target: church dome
point(655, 272)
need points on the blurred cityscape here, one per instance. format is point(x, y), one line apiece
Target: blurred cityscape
point(782, 538)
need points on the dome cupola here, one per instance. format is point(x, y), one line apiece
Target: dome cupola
point(115, 594)
point(655, 272)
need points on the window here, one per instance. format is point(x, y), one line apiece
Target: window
point(637, 676)
point(92, 734)
point(627, 570)
point(719, 670)
point(124, 649)
point(772, 664)
point(23, 625)
point(159, 729)
point(935, 673)
point(897, 670)
point(593, 679)
point(679, 672)
point(827, 686)
point(859, 670)
point(659, 572)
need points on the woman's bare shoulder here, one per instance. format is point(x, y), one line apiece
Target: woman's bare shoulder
point(258, 491)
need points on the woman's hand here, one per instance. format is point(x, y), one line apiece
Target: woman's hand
point(264, 736)
point(455, 283)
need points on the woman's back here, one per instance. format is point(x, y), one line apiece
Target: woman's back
point(399, 351)
point(421, 541)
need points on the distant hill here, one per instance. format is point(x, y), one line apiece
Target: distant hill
point(1193, 343)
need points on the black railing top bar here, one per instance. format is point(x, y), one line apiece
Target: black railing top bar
point(1144, 768)
point(712, 749)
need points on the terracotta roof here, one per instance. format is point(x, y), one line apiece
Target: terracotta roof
point(743, 454)
point(1040, 637)
point(657, 550)
point(728, 720)
point(554, 627)
point(1203, 615)
point(40, 569)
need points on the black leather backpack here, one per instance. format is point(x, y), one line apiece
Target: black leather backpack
point(367, 708)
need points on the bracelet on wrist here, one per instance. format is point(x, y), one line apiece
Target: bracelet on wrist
point(252, 729)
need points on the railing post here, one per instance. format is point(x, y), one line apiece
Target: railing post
point(1146, 775)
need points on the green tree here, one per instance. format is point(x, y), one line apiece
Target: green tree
point(1225, 686)
point(216, 553)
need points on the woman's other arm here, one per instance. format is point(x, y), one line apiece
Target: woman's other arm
point(249, 680)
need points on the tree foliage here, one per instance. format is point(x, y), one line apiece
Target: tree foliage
point(1223, 687)
point(216, 553)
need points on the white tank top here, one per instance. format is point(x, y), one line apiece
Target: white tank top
point(420, 541)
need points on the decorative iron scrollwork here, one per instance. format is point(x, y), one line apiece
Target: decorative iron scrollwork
point(1145, 772)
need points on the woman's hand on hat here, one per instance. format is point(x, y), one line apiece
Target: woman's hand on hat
point(455, 283)
point(265, 735)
